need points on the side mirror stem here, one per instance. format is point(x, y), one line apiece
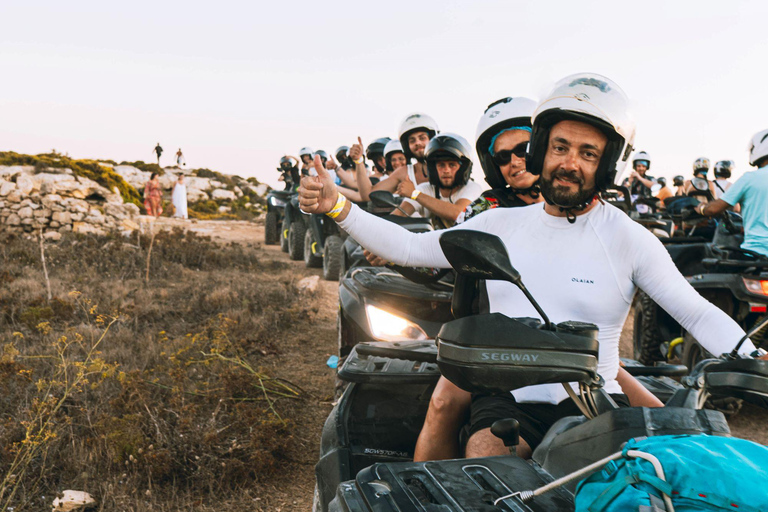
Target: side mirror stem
point(542, 314)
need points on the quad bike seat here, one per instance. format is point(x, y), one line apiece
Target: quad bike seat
point(492, 353)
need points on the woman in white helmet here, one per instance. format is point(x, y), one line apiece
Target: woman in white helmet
point(502, 137)
point(700, 170)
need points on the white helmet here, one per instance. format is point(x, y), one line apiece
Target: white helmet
point(306, 150)
point(642, 156)
point(758, 147)
point(412, 123)
point(593, 99)
point(499, 116)
point(392, 146)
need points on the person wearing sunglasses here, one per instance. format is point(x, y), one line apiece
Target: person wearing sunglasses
point(502, 139)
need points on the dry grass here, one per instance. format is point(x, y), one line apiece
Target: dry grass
point(150, 396)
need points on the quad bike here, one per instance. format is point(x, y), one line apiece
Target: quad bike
point(323, 246)
point(726, 275)
point(294, 228)
point(276, 201)
point(368, 438)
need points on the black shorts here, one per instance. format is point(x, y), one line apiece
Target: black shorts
point(535, 418)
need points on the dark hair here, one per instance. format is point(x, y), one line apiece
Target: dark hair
point(153, 176)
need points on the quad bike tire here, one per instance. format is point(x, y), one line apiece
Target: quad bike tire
point(296, 240)
point(332, 258)
point(311, 260)
point(692, 354)
point(271, 228)
point(646, 340)
point(284, 237)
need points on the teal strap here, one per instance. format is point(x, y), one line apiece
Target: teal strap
point(635, 475)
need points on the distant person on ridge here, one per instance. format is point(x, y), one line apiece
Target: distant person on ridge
point(153, 196)
point(179, 157)
point(158, 151)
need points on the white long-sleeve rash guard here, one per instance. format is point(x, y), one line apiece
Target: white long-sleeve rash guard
point(587, 271)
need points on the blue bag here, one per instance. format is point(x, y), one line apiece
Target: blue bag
point(702, 472)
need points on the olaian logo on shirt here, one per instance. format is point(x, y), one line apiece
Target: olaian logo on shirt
point(582, 281)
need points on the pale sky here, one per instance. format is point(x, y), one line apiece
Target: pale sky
point(238, 84)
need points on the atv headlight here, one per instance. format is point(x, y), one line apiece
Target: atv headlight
point(276, 202)
point(388, 327)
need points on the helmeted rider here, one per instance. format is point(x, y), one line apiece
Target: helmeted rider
point(701, 168)
point(580, 257)
point(639, 182)
point(750, 192)
point(394, 157)
point(415, 132)
point(375, 153)
point(449, 189)
point(305, 154)
point(501, 141)
point(289, 173)
point(679, 183)
point(723, 171)
point(664, 191)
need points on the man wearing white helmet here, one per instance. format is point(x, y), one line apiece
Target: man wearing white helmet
point(751, 193)
point(415, 132)
point(700, 170)
point(582, 259)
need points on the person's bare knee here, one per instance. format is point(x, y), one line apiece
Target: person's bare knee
point(448, 402)
point(484, 444)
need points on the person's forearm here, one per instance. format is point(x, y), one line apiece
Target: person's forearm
point(442, 209)
point(710, 326)
point(352, 195)
point(347, 179)
point(713, 208)
point(645, 181)
point(636, 393)
point(389, 184)
point(363, 181)
point(392, 242)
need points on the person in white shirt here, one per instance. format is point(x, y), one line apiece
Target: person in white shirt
point(449, 189)
point(582, 258)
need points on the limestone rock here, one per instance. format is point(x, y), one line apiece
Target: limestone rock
point(62, 217)
point(14, 196)
point(238, 192)
point(13, 220)
point(25, 212)
point(25, 184)
point(73, 500)
point(6, 187)
point(86, 229)
point(224, 209)
point(221, 193)
point(308, 284)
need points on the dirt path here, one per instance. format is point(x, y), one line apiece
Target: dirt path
point(302, 361)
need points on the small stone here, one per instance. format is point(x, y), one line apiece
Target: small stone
point(13, 220)
point(25, 212)
point(53, 236)
point(73, 500)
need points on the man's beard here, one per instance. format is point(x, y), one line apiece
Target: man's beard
point(560, 196)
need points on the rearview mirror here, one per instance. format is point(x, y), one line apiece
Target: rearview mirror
point(383, 198)
point(655, 189)
point(479, 255)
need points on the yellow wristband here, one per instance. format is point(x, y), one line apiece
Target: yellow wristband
point(341, 201)
point(415, 194)
point(359, 160)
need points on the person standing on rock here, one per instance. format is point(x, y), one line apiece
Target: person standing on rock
point(158, 151)
point(179, 198)
point(153, 196)
point(180, 158)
